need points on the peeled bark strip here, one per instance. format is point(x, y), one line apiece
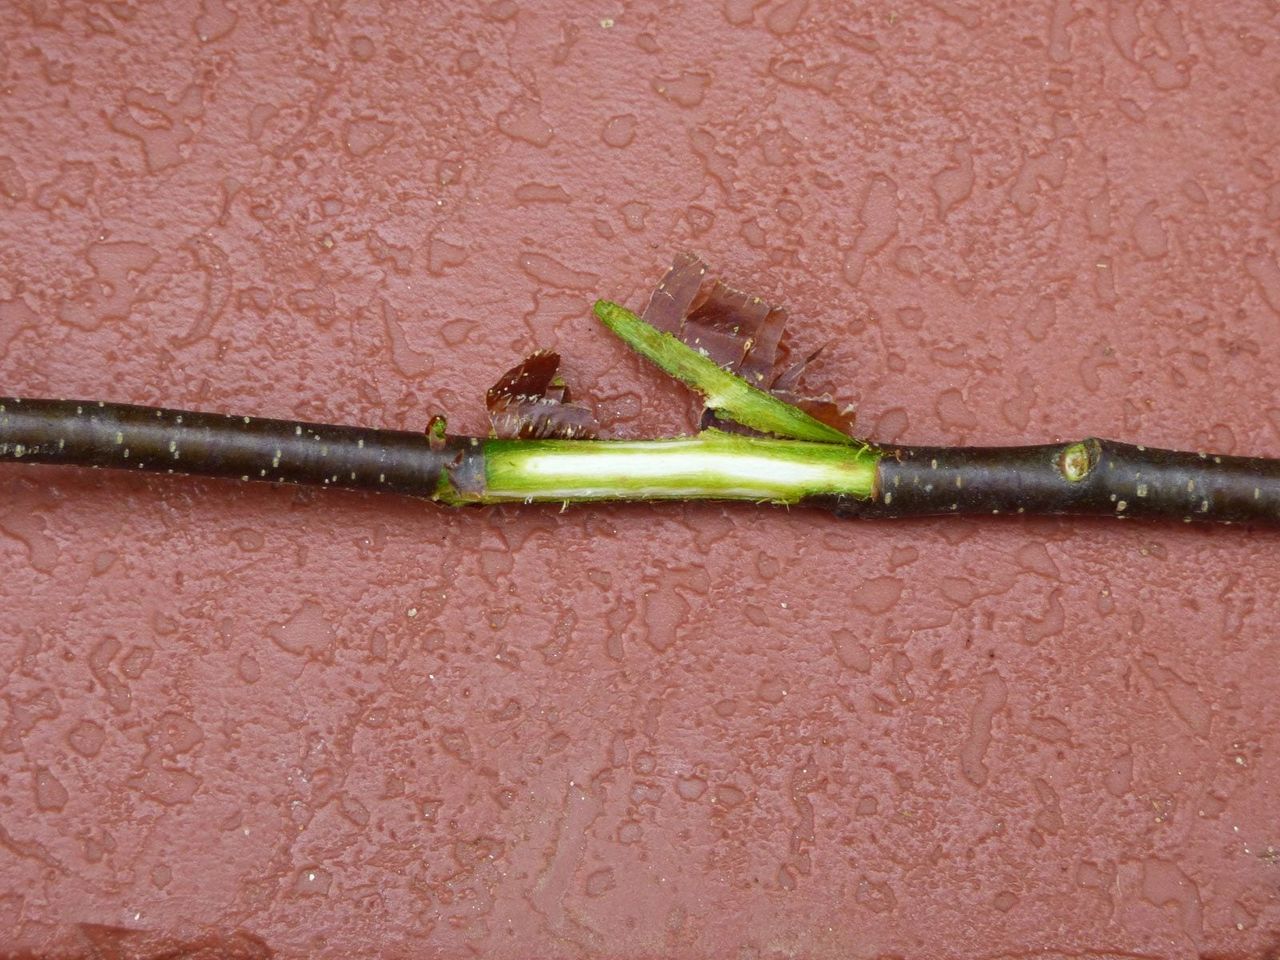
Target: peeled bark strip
point(1088, 478)
point(736, 330)
point(729, 395)
point(740, 333)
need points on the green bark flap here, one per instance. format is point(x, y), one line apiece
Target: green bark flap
point(726, 393)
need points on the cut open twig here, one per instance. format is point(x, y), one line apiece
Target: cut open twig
point(768, 443)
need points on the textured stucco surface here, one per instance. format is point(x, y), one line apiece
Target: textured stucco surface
point(262, 719)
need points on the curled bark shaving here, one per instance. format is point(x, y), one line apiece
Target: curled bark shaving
point(530, 402)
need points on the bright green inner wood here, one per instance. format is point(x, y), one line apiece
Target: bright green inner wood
point(712, 465)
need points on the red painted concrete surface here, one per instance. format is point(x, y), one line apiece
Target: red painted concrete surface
point(252, 721)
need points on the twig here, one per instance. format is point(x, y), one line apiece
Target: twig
point(789, 457)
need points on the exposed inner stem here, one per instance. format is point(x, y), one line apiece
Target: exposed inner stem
point(712, 465)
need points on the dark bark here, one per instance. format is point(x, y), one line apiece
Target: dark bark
point(91, 434)
point(1111, 479)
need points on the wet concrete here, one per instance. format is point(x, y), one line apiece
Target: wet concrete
point(252, 720)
